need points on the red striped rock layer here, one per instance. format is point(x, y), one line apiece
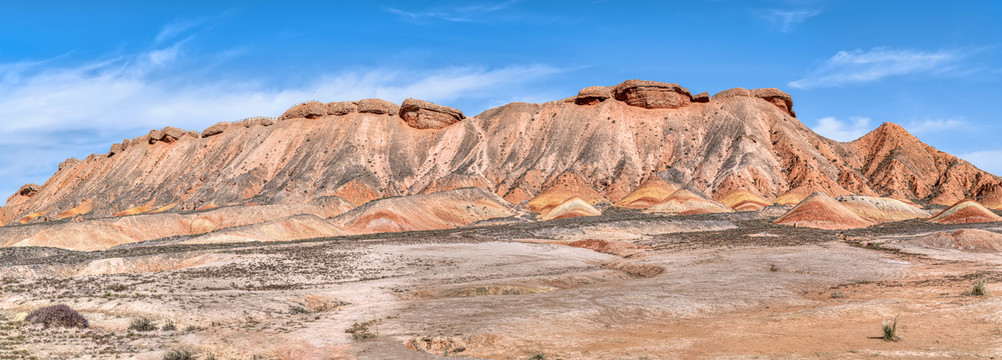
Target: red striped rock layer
point(738, 140)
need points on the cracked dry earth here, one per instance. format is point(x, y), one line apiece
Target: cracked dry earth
point(731, 286)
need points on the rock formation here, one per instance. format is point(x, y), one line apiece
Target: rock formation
point(597, 148)
point(744, 200)
point(652, 94)
point(821, 211)
point(965, 212)
point(573, 207)
point(420, 114)
point(443, 210)
point(969, 240)
point(881, 209)
point(652, 191)
point(686, 202)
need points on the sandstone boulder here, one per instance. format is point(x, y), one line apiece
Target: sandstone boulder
point(420, 114)
point(68, 163)
point(593, 95)
point(729, 93)
point(777, 97)
point(308, 110)
point(339, 108)
point(257, 121)
point(702, 97)
point(154, 136)
point(115, 149)
point(29, 190)
point(214, 129)
point(170, 134)
point(377, 106)
point(652, 94)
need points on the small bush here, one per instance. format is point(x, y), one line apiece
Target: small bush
point(57, 315)
point(538, 356)
point(169, 326)
point(891, 330)
point(979, 288)
point(179, 355)
point(298, 309)
point(142, 324)
point(360, 331)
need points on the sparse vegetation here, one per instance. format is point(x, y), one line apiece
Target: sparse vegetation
point(169, 326)
point(837, 295)
point(56, 315)
point(538, 356)
point(298, 309)
point(362, 331)
point(891, 330)
point(979, 288)
point(142, 325)
point(773, 268)
point(179, 355)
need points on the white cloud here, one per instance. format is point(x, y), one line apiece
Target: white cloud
point(51, 113)
point(469, 13)
point(987, 160)
point(929, 126)
point(838, 130)
point(785, 20)
point(858, 66)
point(175, 29)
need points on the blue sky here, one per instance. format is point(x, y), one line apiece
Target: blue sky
point(76, 77)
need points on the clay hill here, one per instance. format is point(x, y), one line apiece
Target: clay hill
point(630, 146)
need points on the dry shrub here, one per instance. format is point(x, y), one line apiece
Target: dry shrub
point(57, 315)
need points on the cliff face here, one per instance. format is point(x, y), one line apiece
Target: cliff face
point(609, 138)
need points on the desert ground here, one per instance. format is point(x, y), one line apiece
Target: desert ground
point(622, 285)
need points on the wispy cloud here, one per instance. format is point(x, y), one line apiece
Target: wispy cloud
point(176, 29)
point(859, 66)
point(470, 13)
point(785, 20)
point(930, 126)
point(51, 112)
point(987, 160)
point(839, 130)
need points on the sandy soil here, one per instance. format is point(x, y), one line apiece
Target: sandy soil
point(626, 286)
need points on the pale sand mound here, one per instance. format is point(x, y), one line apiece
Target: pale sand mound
point(881, 209)
point(965, 212)
point(575, 207)
point(970, 240)
point(105, 233)
point(442, 210)
point(686, 201)
point(821, 211)
point(566, 186)
point(744, 200)
point(654, 190)
point(285, 229)
point(152, 263)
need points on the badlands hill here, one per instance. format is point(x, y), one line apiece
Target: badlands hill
point(629, 146)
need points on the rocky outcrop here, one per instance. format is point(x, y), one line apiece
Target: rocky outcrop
point(378, 106)
point(28, 190)
point(115, 149)
point(420, 114)
point(517, 151)
point(777, 97)
point(307, 110)
point(652, 94)
point(593, 95)
point(703, 97)
point(214, 129)
point(339, 108)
